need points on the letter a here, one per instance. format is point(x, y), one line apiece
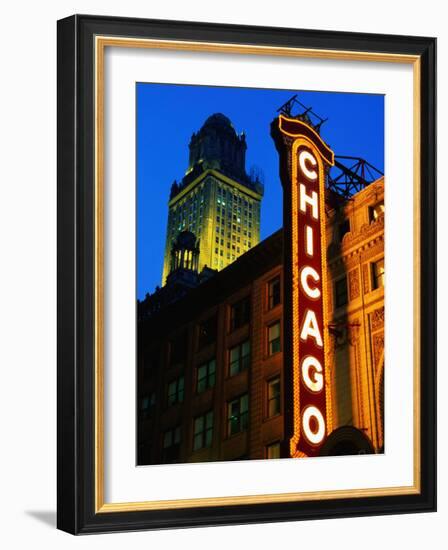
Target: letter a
point(311, 328)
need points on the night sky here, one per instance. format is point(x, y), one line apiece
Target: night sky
point(167, 115)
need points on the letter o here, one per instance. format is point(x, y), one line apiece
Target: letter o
point(313, 437)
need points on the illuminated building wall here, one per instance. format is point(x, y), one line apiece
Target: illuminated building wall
point(216, 200)
point(212, 382)
point(356, 311)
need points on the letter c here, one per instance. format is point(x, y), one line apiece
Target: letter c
point(304, 158)
point(306, 273)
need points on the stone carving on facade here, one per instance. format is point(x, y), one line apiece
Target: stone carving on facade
point(366, 232)
point(364, 228)
point(377, 318)
point(353, 283)
point(347, 238)
point(378, 347)
point(365, 278)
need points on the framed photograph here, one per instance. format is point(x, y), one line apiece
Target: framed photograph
point(246, 274)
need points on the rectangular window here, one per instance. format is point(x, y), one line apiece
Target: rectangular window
point(176, 391)
point(239, 358)
point(274, 397)
point(274, 345)
point(171, 445)
point(344, 228)
point(206, 376)
point(238, 415)
point(240, 312)
point(203, 431)
point(376, 211)
point(147, 405)
point(273, 450)
point(340, 292)
point(378, 274)
point(207, 332)
point(274, 292)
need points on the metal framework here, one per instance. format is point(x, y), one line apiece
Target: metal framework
point(350, 175)
point(307, 115)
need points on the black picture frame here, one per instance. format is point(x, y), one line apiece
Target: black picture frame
point(76, 511)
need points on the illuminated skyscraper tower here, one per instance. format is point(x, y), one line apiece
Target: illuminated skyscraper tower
point(216, 200)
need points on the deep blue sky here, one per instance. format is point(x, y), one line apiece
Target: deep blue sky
point(167, 115)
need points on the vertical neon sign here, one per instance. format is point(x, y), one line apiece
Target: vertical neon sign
point(304, 157)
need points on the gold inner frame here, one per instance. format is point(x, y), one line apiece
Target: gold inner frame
point(101, 42)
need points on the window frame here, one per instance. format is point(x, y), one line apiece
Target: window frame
point(242, 365)
point(277, 322)
point(244, 316)
point(146, 411)
point(374, 276)
point(270, 283)
point(277, 398)
point(176, 433)
point(177, 400)
point(241, 414)
point(205, 430)
point(342, 226)
point(337, 295)
point(271, 445)
point(372, 211)
point(207, 376)
point(210, 323)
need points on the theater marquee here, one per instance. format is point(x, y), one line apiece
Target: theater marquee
point(304, 158)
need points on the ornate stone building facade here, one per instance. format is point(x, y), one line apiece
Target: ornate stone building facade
point(356, 310)
point(211, 372)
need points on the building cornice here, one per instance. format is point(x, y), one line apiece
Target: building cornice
point(217, 175)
